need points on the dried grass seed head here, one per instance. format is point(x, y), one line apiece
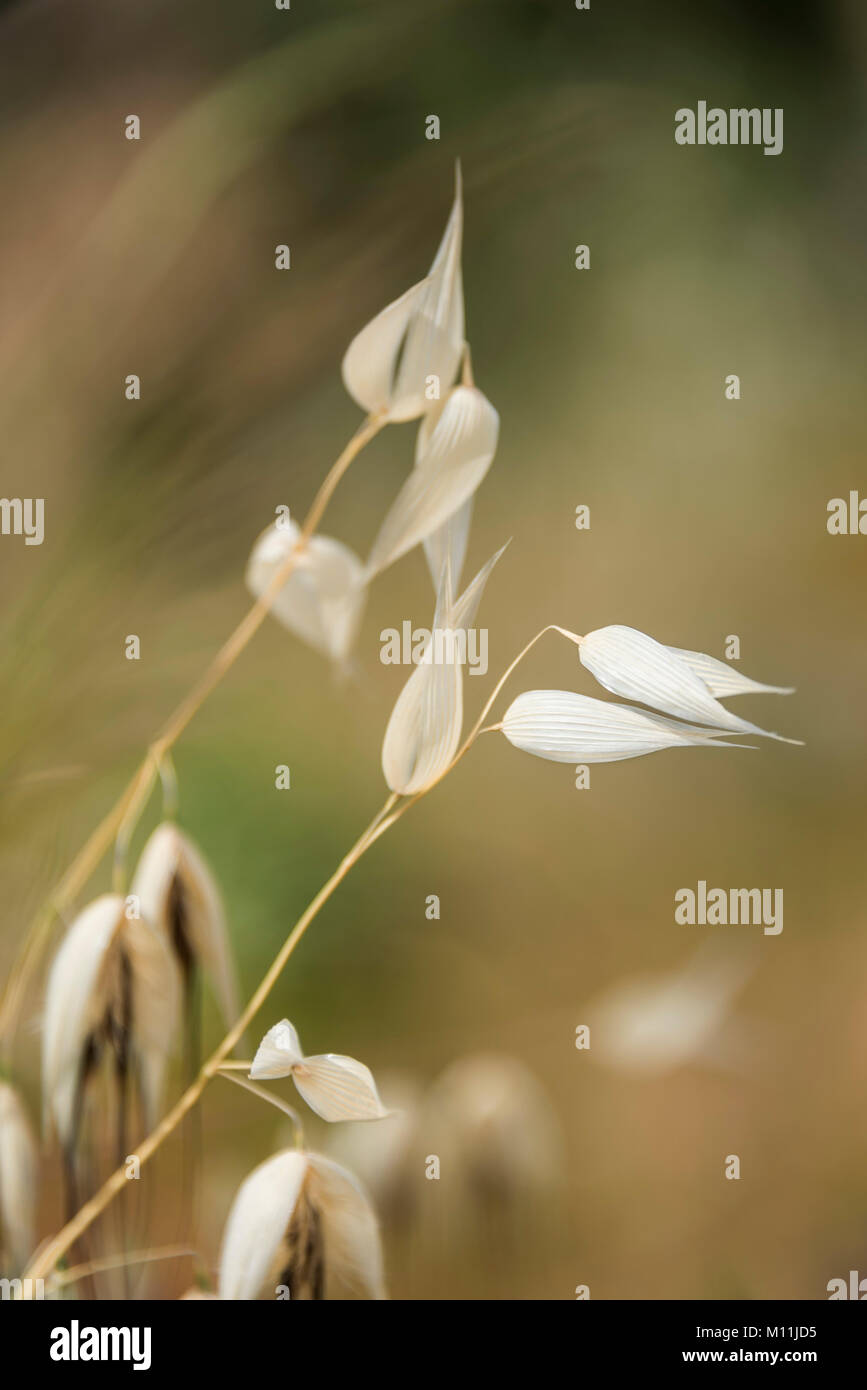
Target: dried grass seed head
point(113, 987)
point(630, 663)
point(334, 1086)
point(180, 898)
point(566, 727)
point(456, 445)
point(424, 729)
point(322, 600)
point(302, 1221)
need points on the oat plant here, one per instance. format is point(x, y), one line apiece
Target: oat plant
point(121, 983)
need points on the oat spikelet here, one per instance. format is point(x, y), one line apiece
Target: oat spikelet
point(456, 445)
point(630, 663)
point(566, 727)
point(300, 1222)
point(323, 598)
point(336, 1087)
point(179, 896)
point(424, 730)
point(113, 989)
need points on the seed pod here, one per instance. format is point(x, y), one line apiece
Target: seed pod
point(565, 727)
point(336, 1087)
point(424, 730)
point(457, 443)
point(630, 663)
point(113, 989)
point(179, 896)
point(323, 598)
point(301, 1222)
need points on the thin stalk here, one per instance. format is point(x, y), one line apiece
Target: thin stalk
point(62, 1278)
point(169, 779)
point(477, 727)
point(260, 1091)
point(363, 435)
point(129, 822)
point(132, 799)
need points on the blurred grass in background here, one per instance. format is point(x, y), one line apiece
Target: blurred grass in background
point(708, 518)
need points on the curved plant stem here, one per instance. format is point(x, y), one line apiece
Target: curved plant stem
point(228, 1075)
point(62, 1278)
point(363, 435)
point(130, 820)
point(123, 816)
point(169, 779)
point(477, 727)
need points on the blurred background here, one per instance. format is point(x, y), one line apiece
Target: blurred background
point(708, 518)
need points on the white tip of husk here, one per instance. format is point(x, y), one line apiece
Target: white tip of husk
point(448, 543)
point(723, 680)
point(278, 1052)
point(19, 1167)
point(457, 443)
point(463, 611)
point(630, 663)
point(565, 727)
point(323, 598)
point(388, 365)
point(179, 897)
